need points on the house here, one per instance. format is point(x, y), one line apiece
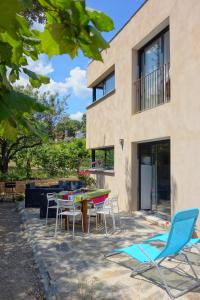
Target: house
point(79, 134)
point(144, 119)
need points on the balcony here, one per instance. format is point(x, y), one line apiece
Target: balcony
point(153, 89)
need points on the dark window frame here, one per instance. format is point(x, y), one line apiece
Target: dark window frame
point(153, 83)
point(105, 166)
point(94, 89)
point(156, 37)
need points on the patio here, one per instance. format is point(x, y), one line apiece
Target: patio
point(76, 269)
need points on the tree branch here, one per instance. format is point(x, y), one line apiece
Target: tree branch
point(12, 155)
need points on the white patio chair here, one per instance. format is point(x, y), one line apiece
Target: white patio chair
point(92, 212)
point(70, 209)
point(109, 207)
point(51, 203)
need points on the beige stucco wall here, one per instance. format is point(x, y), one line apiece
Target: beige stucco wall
point(179, 120)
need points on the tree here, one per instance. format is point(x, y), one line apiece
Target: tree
point(52, 158)
point(9, 149)
point(83, 124)
point(43, 128)
point(69, 26)
point(62, 158)
point(68, 127)
point(78, 155)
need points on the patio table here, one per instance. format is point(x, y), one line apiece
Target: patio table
point(83, 198)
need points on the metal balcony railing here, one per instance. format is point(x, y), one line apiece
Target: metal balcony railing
point(153, 89)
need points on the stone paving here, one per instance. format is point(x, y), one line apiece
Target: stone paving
point(76, 269)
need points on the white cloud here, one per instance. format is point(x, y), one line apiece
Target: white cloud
point(40, 66)
point(76, 116)
point(74, 84)
point(77, 82)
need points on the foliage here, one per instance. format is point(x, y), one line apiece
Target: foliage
point(83, 124)
point(78, 155)
point(42, 128)
point(88, 181)
point(67, 126)
point(54, 159)
point(49, 160)
point(69, 26)
point(9, 149)
point(34, 13)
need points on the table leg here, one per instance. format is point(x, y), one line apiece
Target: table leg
point(66, 225)
point(84, 214)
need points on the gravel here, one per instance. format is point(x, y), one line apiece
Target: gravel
point(19, 276)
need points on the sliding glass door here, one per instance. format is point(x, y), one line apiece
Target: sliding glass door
point(154, 176)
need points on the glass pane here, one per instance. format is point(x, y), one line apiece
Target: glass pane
point(151, 84)
point(166, 48)
point(99, 93)
point(104, 159)
point(104, 87)
point(109, 159)
point(110, 84)
point(152, 57)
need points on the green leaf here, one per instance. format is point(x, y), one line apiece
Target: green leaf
point(3, 77)
point(14, 75)
point(8, 10)
point(5, 53)
point(24, 28)
point(30, 40)
point(16, 45)
point(91, 51)
point(97, 39)
point(23, 61)
point(15, 109)
point(101, 20)
point(35, 79)
point(54, 41)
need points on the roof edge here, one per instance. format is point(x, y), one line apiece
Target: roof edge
point(145, 1)
point(116, 34)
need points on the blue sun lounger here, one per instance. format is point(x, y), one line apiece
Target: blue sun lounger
point(179, 236)
point(163, 237)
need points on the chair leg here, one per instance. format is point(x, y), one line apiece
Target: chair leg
point(96, 221)
point(105, 224)
point(57, 215)
point(82, 223)
point(119, 219)
point(138, 272)
point(191, 267)
point(47, 212)
point(113, 217)
point(61, 219)
point(88, 223)
point(73, 225)
point(164, 281)
point(197, 284)
point(68, 223)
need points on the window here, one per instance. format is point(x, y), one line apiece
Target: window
point(104, 87)
point(153, 85)
point(103, 158)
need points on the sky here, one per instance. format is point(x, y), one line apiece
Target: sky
point(67, 76)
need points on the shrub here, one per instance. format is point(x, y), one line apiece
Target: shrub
point(88, 181)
